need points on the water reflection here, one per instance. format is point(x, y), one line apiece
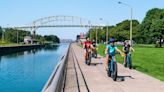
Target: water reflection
point(0, 62)
point(51, 47)
point(32, 51)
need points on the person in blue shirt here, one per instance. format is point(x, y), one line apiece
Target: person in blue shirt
point(111, 50)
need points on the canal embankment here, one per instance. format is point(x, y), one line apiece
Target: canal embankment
point(13, 49)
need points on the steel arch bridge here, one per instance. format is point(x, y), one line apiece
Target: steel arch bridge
point(58, 21)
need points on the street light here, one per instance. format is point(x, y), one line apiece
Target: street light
point(106, 29)
point(3, 32)
point(89, 23)
point(131, 11)
point(17, 36)
point(96, 34)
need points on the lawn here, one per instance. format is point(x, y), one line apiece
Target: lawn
point(12, 44)
point(146, 59)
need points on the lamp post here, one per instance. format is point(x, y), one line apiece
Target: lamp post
point(131, 14)
point(89, 22)
point(3, 32)
point(17, 36)
point(106, 29)
point(96, 34)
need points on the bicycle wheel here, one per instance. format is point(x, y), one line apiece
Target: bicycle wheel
point(114, 72)
point(96, 54)
point(89, 60)
point(126, 62)
point(108, 71)
point(130, 62)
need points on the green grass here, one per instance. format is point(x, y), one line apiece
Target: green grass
point(101, 49)
point(11, 44)
point(146, 59)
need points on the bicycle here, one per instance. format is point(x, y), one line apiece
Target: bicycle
point(89, 56)
point(128, 61)
point(112, 68)
point(94, 53)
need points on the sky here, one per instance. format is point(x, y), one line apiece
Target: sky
point(19, 12)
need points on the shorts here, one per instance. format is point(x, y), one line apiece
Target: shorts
point(87, 50)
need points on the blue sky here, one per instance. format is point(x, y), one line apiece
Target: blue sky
point(18, 12)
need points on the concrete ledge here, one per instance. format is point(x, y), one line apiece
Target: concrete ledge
point(13, 49)
point(54, 83)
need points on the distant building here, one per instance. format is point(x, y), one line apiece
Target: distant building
point(81, 38)
point(28, 40)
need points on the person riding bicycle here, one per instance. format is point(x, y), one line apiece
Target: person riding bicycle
point(87, 45)
point(94, 43)
point(94, 51)
point(127, 49)
point(110, 51)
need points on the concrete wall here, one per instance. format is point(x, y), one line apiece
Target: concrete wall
point(14, 49)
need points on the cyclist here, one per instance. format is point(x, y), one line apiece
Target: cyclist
point(88, 47)
point(94, 51)
point(94, 43)
point(110, 51)
point(126, 49)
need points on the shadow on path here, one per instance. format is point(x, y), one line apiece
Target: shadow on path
point(122, 78)
point(94, 64)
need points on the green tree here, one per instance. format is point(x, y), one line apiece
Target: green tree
point(121, 31)
point(157, 29)
point(41, 40)
point(152, 26)
point(1, 32)
point(52, 38)
point(11, 35)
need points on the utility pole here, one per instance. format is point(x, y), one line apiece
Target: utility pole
point(131, 20)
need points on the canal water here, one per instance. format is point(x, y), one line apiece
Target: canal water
point(28, 71)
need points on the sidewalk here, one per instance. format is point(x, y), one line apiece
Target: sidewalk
point(98, 81)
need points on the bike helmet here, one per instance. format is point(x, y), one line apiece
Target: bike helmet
point(111, 40)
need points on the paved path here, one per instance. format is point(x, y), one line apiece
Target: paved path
point(94, 77)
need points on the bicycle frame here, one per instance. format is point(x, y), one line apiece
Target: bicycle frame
point(110, 63)
point(128, 61)
point(112, 68)
point(89, 56)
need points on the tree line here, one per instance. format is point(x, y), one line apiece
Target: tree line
point(11, 35)
point(148, 31)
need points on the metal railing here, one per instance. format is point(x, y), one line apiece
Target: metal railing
point(54, 82)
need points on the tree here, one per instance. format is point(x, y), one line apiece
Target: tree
point(11, 35)
point(157, 29)
point(121, 31)
point(52, 38)
point(1, 32)
point(149, 31)
point(152, 26)
point(41, 40)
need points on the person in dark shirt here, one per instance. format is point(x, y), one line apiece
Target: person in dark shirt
point(94, 43)
point(127, 49)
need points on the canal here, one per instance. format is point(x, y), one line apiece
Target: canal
point(28, 71)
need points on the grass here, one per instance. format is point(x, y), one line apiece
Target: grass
point(11, 44)
point(101, 49)
point(146, 59)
